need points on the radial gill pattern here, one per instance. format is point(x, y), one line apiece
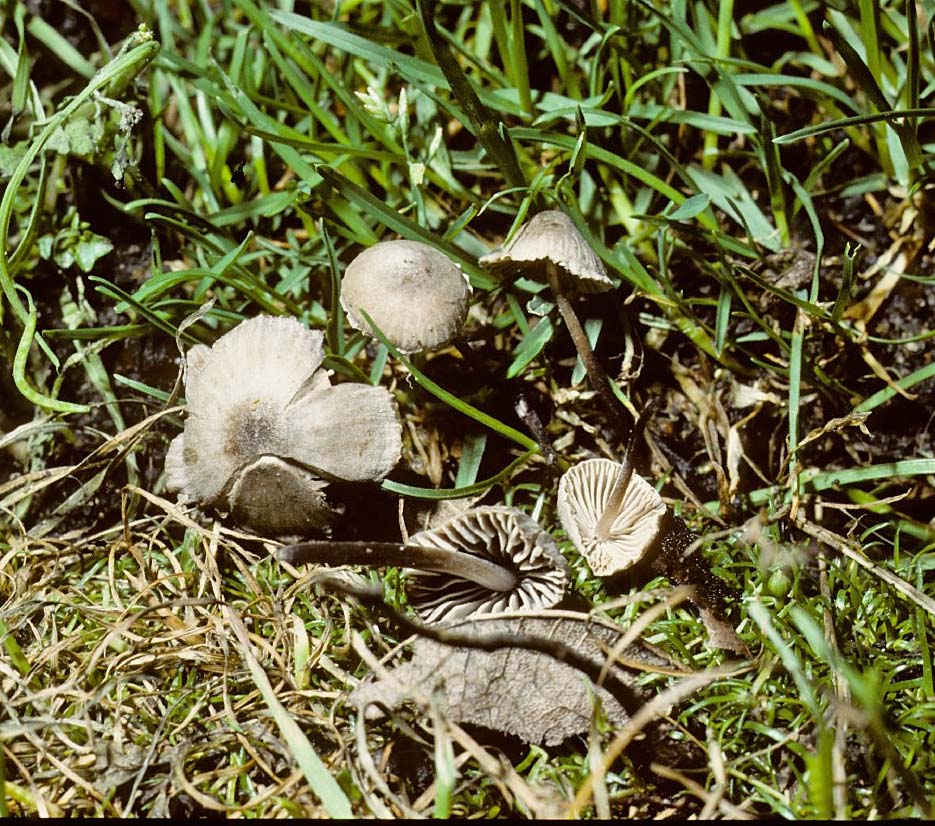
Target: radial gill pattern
point(585, 493)
point(502, 535)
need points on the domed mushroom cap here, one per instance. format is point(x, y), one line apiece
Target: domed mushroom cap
point(266, 430)
point(415, 295)
point(552, 237)
point(505, 536)
point(584, 494)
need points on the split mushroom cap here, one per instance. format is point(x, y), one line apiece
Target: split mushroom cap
point(551, 237)
point(416, 296)
point(611, 532)
point(502, 535)
point(272, 495)
point(266, 431)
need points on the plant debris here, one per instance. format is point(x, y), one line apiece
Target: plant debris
point(511, 689)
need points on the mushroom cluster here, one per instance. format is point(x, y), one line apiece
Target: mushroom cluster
point(492, 559)
point(267, 431)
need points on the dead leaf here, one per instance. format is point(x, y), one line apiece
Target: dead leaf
point(514, 690)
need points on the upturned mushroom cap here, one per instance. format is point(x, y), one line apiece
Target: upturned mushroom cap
point(552, 237)
point(584, 494)
point(414, 294)
point(503, 535)
point(266, 430)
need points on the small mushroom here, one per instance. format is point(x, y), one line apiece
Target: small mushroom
point(549, 244)
point(616, 519)
point(551, 240)
point(505, 536)
point(266, 431)
point(486, 560)
point(611, 519)
point(416, 296)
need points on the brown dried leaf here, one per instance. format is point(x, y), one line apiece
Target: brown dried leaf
point(514, 690)
point(721, 633)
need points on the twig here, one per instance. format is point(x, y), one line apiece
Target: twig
point(838, 543)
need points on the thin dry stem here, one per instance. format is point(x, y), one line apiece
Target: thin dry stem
point(382, 554)
point(596, 375)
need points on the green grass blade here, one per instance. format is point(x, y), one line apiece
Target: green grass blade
point(406, 227)
point(887, 393)
point(475, 489)
point(484, 123)
point(20, 360)
point(452, 401)
point(531, 345)
point(472, 454)
point(822, 480)
point(316, 773)
point(856, 120)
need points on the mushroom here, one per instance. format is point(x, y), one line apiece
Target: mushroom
point(611, 515)
point(505, 536)
point(414, 294)
point(272, 496)
point(550, 244)
point(616, 519)
point(266, 431)
point(486, 560)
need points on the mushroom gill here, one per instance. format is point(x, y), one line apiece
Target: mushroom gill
point(486, 560)
point(613, 525)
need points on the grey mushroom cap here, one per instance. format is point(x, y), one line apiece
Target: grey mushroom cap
point(584, 494)
point(505, 536)
point(552, 237)
point(266, 430)
point(273, 496)
point(416, 296)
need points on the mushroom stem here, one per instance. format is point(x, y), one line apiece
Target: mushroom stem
point(534, 423)
point(596, 375)
point(622, 482)
point(466, 566)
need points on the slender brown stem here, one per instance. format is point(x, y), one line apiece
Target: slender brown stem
point(534, 423)
point(378, 554)
point(622, 482)
point(596, 375)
